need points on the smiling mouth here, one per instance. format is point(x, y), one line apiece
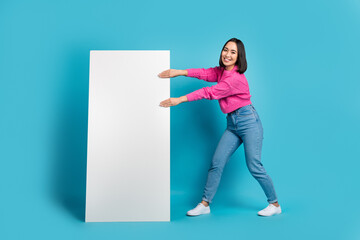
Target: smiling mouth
point(226, 60)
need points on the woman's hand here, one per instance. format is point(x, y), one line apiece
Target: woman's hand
point(173, 101)
point(170, 73)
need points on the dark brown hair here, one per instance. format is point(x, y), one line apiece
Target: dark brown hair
point(241, 58)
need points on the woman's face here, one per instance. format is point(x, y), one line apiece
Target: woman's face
point(229, 55)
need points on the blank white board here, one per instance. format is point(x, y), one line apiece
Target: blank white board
point(128, 152)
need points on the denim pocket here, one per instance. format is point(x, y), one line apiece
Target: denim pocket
point(245, 112)
point(244, 116)
point(230, 121)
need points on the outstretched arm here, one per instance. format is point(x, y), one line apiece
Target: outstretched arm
point(170, 73)
point(173, 101)
point(206, 74)
point(220, 90)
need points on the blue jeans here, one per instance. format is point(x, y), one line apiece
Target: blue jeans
point(243, 126)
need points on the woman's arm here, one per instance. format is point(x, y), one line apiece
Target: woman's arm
point(170, 73)
point(218, 91)
point(173, 101)
point(206, 74)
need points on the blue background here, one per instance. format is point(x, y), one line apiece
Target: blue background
point(302, 57)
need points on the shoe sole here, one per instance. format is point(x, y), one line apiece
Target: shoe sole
point(194, 215)
point(269, 215)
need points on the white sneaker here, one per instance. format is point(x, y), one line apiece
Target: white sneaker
point(270, 210)
point(198, 210)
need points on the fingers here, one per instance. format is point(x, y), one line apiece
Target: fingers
point(163, 103)
point(170, 102)
point(164, 74)
point(166, 103)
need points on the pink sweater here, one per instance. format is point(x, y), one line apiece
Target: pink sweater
point(232, 89)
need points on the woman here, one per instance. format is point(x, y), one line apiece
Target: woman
point(243, 122)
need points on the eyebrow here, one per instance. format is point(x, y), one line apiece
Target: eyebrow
point(231, 49)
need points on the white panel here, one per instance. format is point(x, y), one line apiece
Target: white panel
point(128, 155)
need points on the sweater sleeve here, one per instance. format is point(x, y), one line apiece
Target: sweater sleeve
point(217, 91)
point(209, 74)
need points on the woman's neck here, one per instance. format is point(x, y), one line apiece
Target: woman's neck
point(229, 68)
